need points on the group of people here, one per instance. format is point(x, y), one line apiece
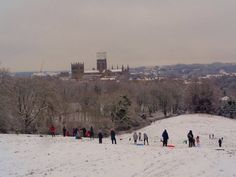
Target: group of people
point(191, 139)
point(138, 136)
point(75, 132)
point(112, 133)
point(78, 133)
point(192, 142)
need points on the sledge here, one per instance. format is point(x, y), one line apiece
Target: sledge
point(139, 144)
point(170, 145)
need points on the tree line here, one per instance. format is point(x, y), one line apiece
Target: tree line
point(32, 105)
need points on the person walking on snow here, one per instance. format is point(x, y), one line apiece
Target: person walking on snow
point(145, 138)
point(100, 136)
point(165, 137)
point(135, 137)
point(113, 136)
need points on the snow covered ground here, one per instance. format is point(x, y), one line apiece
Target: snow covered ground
point(31, 155)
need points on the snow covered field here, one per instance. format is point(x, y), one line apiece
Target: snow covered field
point(31, 155)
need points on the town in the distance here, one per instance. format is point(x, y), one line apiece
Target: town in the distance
point(125, 72)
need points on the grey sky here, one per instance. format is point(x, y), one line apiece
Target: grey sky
point(134, 32)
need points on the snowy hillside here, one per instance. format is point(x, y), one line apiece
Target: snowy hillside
point(31, 155)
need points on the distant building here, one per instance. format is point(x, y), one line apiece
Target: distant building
point(101, 73)
point(77, 70)
point(101, 61)
point(101, 65)
point(92, 75)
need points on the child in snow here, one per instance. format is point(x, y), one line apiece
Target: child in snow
point(135, 136)
point(198, 141)
point(75, 132)
point(140, 136)
point(145, 138)
point(88, 133)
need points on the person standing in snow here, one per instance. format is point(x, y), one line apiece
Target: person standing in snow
point(84, 131)
point(165, 137)
point(67, 133)
point(220, 142)
point(52, 130)
point(135, 137)
point(113, 136)
point(91, 132)
point(190, 138)
point(77, 136)
point(75, 131)
point(145, 138)
point(140, 136)
point(100, 136)
point(64, 131)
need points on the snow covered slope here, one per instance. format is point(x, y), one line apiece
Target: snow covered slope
point(31, 155)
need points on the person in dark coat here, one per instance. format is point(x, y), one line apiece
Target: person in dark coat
point(220, 142)
point(64, 131)
point(91, 132)
point(75, 132)
point(77, 136)
point(165, 137)
point(135, 137)
point(113, 136)
point(100, 136)
point(190, 139)
point(84, 132)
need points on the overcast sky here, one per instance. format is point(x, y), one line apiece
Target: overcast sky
point(134, 32)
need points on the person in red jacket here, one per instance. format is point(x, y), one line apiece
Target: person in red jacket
point(52, 130)
point(88, 133)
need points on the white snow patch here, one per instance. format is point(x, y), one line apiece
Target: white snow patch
point(31, 155)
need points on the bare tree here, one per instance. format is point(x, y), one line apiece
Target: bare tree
point(32, 97)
